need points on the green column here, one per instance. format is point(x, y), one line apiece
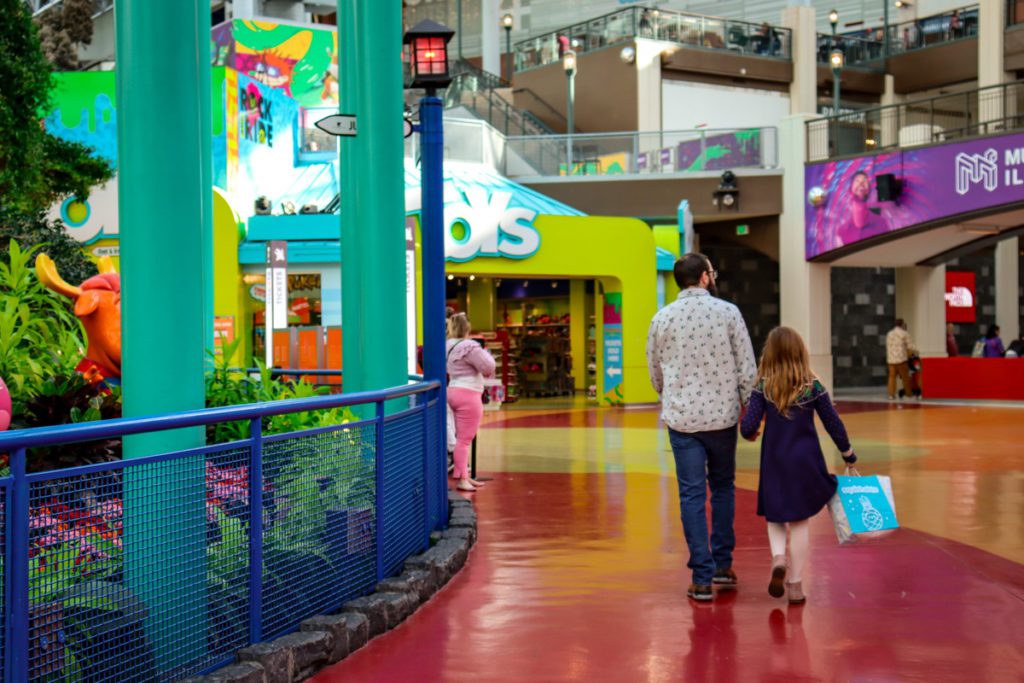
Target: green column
point(372, 195)
point(164, 172)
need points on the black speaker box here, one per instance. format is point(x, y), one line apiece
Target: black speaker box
point(889, 187)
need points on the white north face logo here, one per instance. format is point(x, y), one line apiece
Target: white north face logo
point(977, 168)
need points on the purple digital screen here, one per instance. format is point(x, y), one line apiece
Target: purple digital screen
point(937, 182)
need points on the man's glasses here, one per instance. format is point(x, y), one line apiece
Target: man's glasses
point(713, 274)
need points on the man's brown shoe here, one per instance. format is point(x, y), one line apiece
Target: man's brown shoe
point(700, 592)
point(725, 579)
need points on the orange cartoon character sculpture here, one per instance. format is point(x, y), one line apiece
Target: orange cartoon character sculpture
point(98, 306)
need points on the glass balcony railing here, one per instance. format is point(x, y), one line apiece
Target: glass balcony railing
point(985, 111)
point(631, 153)
point(694, 30)
point(865, 48)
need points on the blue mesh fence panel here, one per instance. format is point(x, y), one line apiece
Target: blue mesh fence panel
point(437, 456)
point(319, 522)
point(93, 585)
point(404, 500)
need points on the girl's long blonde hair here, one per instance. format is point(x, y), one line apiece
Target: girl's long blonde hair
point(785, 368)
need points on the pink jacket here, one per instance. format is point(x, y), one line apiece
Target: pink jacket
point(468, 360)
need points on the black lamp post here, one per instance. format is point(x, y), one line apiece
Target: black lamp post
point(837, 59)
point(506, 23)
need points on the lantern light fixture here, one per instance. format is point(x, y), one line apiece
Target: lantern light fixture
point(428, 54)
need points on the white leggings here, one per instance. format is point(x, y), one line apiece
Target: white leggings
point(799, 545)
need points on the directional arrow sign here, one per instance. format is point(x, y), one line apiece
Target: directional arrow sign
point(338, 124)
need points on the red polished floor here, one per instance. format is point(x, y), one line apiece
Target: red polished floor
point(581, 577)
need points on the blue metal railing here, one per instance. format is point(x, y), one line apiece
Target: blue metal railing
point(277, 528)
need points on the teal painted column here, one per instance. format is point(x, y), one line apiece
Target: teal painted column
point(373, 321)
point(164, 173)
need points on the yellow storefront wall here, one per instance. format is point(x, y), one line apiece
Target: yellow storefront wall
point(618, 251)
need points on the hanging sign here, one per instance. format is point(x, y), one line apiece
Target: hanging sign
point(277, 293)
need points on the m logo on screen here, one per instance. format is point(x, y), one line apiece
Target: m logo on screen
point(484, 225)
point(973, 169)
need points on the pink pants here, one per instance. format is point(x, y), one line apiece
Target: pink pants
point(468, 409)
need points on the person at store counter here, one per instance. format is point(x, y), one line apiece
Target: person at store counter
point(468, 364)
point(951, 348)
point(993, 344)
point(898, 350)
point(701, 363)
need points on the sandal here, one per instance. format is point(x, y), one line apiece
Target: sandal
point(796, 593)
point(465, 486)
point(776, 587)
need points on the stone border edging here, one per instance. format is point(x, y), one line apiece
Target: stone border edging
point(325, 640)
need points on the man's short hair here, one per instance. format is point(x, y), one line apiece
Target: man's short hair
point(689, 269)
point(900, 322)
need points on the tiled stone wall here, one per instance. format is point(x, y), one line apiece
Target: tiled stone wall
point(750, 280)
point(863, 311)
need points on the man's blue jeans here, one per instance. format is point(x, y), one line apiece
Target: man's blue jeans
point(706, 459)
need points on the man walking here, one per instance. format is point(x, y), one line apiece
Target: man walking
point(898, 350)
point(702, 364)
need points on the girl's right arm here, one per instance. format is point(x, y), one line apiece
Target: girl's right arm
point(833, 424)
point(752, 419)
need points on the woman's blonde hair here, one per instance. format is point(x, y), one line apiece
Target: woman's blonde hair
point(458, 326)
point(785, 368)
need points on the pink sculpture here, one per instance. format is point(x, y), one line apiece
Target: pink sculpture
point(5, 406)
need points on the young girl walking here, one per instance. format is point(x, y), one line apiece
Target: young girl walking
point(795, 483)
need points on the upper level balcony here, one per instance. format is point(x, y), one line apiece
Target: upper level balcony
point(866, 48)
point(683, 28)
point(973, 113)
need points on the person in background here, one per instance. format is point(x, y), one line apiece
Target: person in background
point(898, 350)
point(1016, 349)
point(954, 25)
point(794, 483)
point(702, 365)
point(993, 344)
point(951, 348)
point(563, 45)
point(468, 365)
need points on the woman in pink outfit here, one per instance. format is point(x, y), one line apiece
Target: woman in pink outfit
point(468, 365)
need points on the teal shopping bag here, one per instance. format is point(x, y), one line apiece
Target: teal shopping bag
point(868, 503)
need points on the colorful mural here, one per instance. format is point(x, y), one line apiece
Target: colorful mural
point(300, 60)
point(264, 158)
point(938, 182)
point(720, 152)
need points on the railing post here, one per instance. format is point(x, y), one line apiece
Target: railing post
point(379, 491)
point(428, 485)
point(17, 607)
point(255, 530)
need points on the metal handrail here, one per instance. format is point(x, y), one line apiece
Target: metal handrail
point(557, 114)
point(641, 22)
point(41, 6)
point(126, 426)
point(977, 112)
